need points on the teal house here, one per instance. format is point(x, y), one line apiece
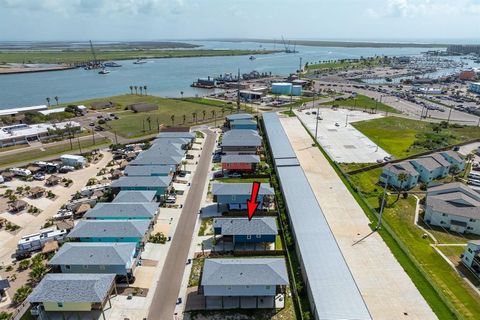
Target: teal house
point(391, 173)
point(243, 124)
point(160, 184)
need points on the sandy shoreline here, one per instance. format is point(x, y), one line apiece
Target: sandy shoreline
point(13, 70)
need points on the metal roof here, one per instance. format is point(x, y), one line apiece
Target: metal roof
point(240, 189)
point(243, 122)
point(148, 170)
point(123, 210)
point(243, 226)
point(188, 135)
point(110, 228)
point(239, 116)
point(92, 253)
point(72, 287)
point(134, 196)
point(285, 162)
point(241, 137)
point(277, 138)
point(241, 158)
point(146, 181)
point(246, 271)
point(156, 158)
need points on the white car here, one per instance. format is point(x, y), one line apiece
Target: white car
point(62, 215)
point(171, 199)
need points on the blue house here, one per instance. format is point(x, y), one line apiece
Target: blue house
point(241, 231)
point(454, 159)
point(235, 195)
point(392, 171)
point(123, 211)
point(108, 257)
point(431, 167)
point(160, 184)
point(147, 171)
point(243, 124)
point(134, 231)
point(135, 197)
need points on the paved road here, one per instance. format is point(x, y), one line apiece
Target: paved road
point(168, 287)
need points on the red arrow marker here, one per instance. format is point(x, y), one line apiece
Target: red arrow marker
point(252, 203)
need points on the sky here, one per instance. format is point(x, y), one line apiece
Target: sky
point(47, 20)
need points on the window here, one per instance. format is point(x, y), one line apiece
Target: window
point(60, 304)
point(234, 197)
point(267, 287)
point(249, 236)
point(259, 236)
point(102, 267)
point(442, 222)
point(67, 266)
point(444, 214)
point(470, 250)
point(85, 267)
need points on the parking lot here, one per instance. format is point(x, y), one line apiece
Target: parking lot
point(341, 141)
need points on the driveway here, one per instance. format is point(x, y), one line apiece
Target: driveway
point(168, 286)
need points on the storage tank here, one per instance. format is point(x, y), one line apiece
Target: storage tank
point(281, 88)
point(296, 90)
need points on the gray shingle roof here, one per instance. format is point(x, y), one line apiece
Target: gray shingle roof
point(91, 253)
point(134, 196)
point(402, 167)
point(240, 189)
point(242, 226)
point(72, 287)
point(156, 158)
point(239, 116)
point(240, 137)
point(432, 162)
point(453, 155)
point(243, 122)
point(454, 199)
point(258, 271)
point(148, 170)
point(241, 158)
point(453, 187)
point(188, 135)
point(123, 210)
point(176, 142)
point(110, 228)
point(155, 181)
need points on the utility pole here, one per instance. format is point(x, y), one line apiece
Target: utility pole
point(238, 91)
point(449, 114)
point(300, 70)
point(382, 205)
point(93, 136)
point(79, 146)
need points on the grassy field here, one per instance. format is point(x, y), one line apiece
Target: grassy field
point(71, 57)
point(362, 102)
point(398, 135)
point(400, 216)
point(133, 125)
point(346, 64)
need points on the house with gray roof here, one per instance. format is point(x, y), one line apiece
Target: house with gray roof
point(431, 167)
point(471, 256)
point(234, 196)
point(135, 197)
point(241, 141)
point(180, 143)
point(159, 184)
point(454, 159)
point(118, 258)
point(155, 158)
point(392, 171)
point(170, 135)
point(121, 211)
point(135, 231)
point(237, 116)
point(71, 292)
point(247, 283)
point(455, 207)
point(240, 162)
point(244, 232)
point(147, 171)
point(243, 124)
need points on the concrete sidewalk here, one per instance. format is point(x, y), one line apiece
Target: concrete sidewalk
point(387, 290)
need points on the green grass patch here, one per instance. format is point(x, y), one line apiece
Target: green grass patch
point(196, 273)
point(78, 56)
point(278, 243)
point(405, 137)
point(362, 102)
point(206, 227)
point(346, 167)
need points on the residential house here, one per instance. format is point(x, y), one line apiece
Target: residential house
point(135, 231)
point(431, 167)
point(153, 158)
point(247, 283)
point(471, 256)
point(70, 292)
point(237, 116)
point(119, 258)
point(241, 142)
point(243, 124)
point(235, 195)
point(454, 159)
point(122, 211)
point(392, 171)
point(453, 206)
point(240, 162)
point(242, 232)
point(143, 107)
point(135, 197)
point(160, 184)
point(142, 171)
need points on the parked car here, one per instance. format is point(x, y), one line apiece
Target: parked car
point(65, 169)
point(218, 175)
point(216, 158)
point(171, 199)
point(62, 215)
point(189, 156)
point(39, 176)
point(234, 175)
point(182, 174)
point(91, 124)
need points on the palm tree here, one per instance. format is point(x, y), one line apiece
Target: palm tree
point(172, 117)
point(37, 273)
point(454, 170)
point(181, 93)
point(48, 101)
point(149, 124)
point(213, 116)
point(194, 116)
point(184, 118)
point(222, 111)
point(145, 89)
point(131, 89)
point(204, 113)
point(135, 87)
point(56, 99)
point(141, 89)
point(470, 157)
point(402, 177)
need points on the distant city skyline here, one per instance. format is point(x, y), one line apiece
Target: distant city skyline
point(402, 20)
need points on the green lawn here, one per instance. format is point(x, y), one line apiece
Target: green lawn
point(400, 215)
point(132, 125)
point(197, 266)
point(362, 102)
point(77, 56)
point(405, 137)
point(346, 167)
point(19, 157)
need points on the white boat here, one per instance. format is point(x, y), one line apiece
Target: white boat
point(104, 71)
point(140, 61)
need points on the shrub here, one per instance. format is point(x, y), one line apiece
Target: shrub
point(21, 294)
point(158, 238)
